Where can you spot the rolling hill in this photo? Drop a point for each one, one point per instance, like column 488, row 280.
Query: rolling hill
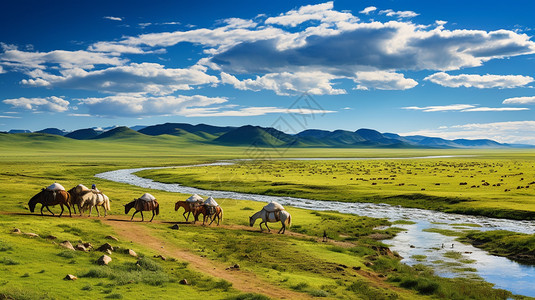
column 184, row 133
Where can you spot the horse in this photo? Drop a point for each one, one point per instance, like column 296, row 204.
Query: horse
column 189, row 207
column 211, row 212
column 283, row 216
column 85, row 198
column 50, row 198
column 140, row 206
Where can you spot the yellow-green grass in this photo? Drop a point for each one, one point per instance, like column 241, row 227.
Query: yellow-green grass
column 492, row 184
column 28, row 166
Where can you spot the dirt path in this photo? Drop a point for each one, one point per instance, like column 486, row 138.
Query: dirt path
column 244, row 281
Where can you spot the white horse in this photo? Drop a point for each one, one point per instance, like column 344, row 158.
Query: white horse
column 85, row 198
column 283, row 216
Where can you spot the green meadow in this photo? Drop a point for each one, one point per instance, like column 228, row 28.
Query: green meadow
column 488, row 183
column 353, row 264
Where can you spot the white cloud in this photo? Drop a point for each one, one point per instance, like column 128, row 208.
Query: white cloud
column 382, row 80
column 239, row 23
column 519, row 100
column 50, row 104
column 479, row 81
column 65, row 59
column 257, row 111
column 462, row 108
column 398, row 14
column 368, row 10
column 134, row 78
column 113, row 18
column 9, row 117
column 115, row 48
column 503, row 132
column 2, row 70
column 319, row 12
column 452, row 107
column 141, row 106
column 315, row 83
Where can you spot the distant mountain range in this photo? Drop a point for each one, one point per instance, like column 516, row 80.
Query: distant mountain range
column 271, row 137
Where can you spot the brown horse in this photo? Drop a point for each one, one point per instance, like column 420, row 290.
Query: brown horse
column 208, row 212
column 189, row 207
column 142, row 205
column 50, row 198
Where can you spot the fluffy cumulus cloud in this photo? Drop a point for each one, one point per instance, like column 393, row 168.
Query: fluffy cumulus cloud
column 368, row 10
column 189, row 106
column 320, row 12
column 133, row 78
column 64, row 59
column 505, row 132
column 382, row 80
column 479, row 81
column 398, row 14
column 315, row 83
column 48, row 104
column 520, row 100
column 462, row 108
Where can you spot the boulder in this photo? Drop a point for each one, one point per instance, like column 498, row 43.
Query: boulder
column 68, row 245
column 70, row 277
column 184, row 281
column 88, row 246
column 31, row 234
column 132, row 253
column 16, row 231
column 105, row 247
column 109, row 237
column 80, row 247
column 51, row 237
column 104, row 260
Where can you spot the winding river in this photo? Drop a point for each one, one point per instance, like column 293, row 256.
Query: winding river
column 416, row 244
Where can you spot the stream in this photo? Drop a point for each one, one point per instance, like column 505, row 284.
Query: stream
column 446, row 256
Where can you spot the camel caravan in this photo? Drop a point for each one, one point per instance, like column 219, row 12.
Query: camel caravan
column 85, row 199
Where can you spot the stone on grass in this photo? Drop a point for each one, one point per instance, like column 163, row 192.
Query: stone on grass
column 175, row 227
column 31, row 234
column 184, row 281
column 109, row 237
column 88, row 246
column 80, row 247
column 16, row 231
column 67, row 244
column 104, row 260
column 70, row 277
column 132, row 253
column 105, row 247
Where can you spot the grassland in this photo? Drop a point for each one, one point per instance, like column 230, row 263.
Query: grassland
column 352, row 265
column 486, row 184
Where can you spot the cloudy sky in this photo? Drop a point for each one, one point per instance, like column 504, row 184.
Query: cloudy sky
column 452, row 69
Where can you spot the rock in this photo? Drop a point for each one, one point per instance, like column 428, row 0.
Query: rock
column 184, row 281
column 51, row 237
column 68, row 245
column 31, row 234
column 104, row 260
column 109, row 237
column 236, row 266
column 132, row 253
column 88, row 246
column 108, row 252
column 175, row 227
column 16, row 231
column 105, row 247
column 368, row 264
column 70, row 277
column 160, row 256
column 80, row 247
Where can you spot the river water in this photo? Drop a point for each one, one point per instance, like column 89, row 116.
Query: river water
column 415, row 245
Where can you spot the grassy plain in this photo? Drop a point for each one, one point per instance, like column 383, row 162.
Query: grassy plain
column 351, row 265
column 490, row 183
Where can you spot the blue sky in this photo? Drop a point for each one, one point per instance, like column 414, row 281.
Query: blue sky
column 452, row 69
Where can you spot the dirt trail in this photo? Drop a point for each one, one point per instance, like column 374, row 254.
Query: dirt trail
column 241, row 280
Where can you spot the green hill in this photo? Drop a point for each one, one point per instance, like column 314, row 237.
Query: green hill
column 255, row 135
column 122, row 132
